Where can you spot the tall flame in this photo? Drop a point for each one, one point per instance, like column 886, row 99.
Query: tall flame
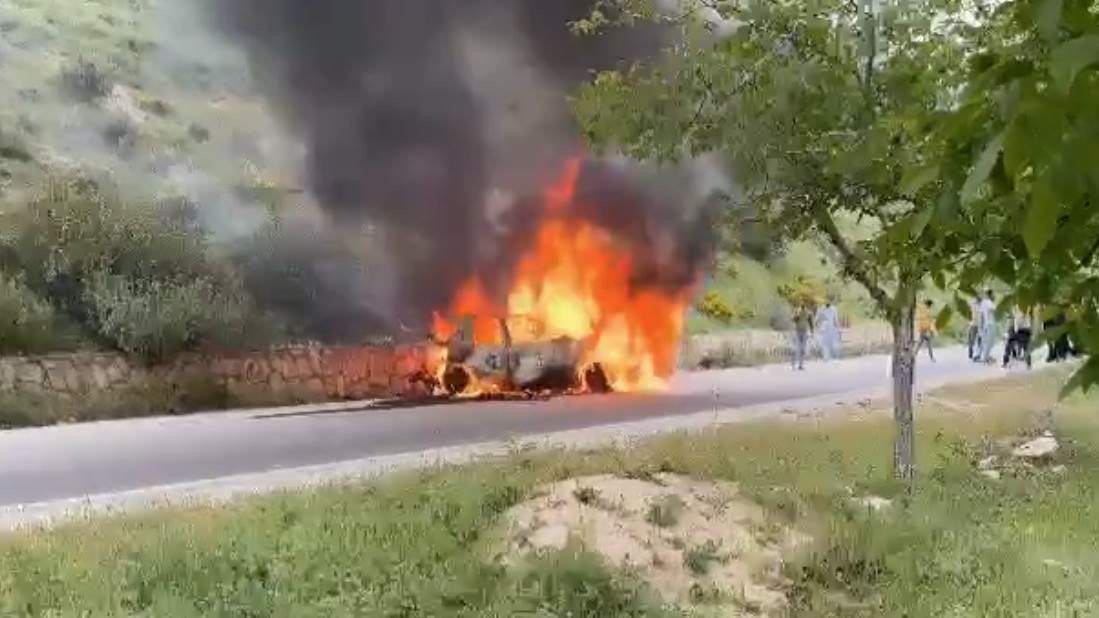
column 575, row 281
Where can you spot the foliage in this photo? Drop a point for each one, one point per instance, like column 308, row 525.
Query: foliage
column 809, row 133
column 1018, row 157
column 127, row 277
column 713, row 305
column 84, row 82
column 158, row 319
column 803, row 290
column 28, row 325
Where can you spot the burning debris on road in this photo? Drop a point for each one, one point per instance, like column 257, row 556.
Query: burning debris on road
column 464, row 368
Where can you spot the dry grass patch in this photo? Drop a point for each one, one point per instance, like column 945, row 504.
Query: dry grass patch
column 700, row 544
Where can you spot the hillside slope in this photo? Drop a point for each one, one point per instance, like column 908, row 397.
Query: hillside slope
column 141, row 91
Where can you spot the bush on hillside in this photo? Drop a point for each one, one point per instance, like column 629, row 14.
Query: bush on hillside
column 714, row 306
column 28, row 324
column 157, row 320
column 126, row 276
column 803, row 290
column 84, row 82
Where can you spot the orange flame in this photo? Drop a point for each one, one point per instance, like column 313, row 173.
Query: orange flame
column 575, row 281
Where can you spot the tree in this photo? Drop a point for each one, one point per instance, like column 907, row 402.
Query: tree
column 1019, row 154
column 824, row 112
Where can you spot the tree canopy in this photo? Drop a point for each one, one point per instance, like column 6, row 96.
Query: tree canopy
column 1018, row 154
column 818, row 119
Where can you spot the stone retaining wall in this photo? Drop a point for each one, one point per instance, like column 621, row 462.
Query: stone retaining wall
column 310, row 373
column 337, row 373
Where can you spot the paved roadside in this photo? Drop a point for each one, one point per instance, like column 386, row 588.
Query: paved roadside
column 127, row 464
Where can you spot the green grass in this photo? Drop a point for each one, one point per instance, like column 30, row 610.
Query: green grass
column 416, row 544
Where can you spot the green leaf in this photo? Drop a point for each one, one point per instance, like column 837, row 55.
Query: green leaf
column 1041, row 217
column 981, row 170
column 938, row 280
column 918, row 178
column 1008, row 101
column 1084, row 377
column 920, row 219
column 1016, row 150
column 1071, row 57
column 1049, row 19
column 945, row 315
column 961, row 306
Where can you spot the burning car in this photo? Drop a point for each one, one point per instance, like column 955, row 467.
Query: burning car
column 491, row 357
column 581, row 308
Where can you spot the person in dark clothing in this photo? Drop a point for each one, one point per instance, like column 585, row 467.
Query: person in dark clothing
column 1018, row 339
column 1060, row 347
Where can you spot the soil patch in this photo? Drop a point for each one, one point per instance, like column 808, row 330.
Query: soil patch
column 702, row 545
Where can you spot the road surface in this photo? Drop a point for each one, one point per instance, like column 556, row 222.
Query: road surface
column 73, row 461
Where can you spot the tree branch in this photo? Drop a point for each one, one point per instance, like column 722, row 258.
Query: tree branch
column 851, row 262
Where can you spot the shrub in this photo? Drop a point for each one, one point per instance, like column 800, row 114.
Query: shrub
column 28, row 324
column 713, row 306
column 156, row 319
column 13, row 147
column 802, row 290
column 84, row 82
column 130, row 278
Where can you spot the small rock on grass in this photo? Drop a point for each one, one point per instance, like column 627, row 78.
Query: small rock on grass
column 1039, row 448
column 990, row 473
column 874, row 503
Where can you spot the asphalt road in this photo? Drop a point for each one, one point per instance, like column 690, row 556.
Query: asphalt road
column 73, row 461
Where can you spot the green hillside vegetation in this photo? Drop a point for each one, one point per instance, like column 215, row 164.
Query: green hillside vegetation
column 139, row 181
column 756, row 286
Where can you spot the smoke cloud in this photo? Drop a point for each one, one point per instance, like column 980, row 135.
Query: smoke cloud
column 415, row 113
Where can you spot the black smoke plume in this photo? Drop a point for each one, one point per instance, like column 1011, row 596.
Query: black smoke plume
column 399, row 128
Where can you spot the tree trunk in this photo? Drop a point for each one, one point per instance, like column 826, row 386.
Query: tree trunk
column 903, row 374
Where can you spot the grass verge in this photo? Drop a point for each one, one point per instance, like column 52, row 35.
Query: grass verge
column 413, row 544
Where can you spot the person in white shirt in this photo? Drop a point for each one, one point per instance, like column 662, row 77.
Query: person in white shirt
column 828, row 331
column 986, row 322
column 973, row 340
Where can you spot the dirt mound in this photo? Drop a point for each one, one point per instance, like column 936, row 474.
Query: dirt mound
column 701, row 545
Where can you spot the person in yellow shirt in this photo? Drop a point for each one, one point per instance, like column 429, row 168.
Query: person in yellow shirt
column 925, row 329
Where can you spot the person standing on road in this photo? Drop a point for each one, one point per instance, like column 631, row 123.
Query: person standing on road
column 986, row 312
column 828, row 331
column 925, row 329
column 973, row 340
column 1018, row 344
column 803, row 329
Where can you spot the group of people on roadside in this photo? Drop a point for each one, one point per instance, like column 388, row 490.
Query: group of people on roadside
column 824, row 323
column 984, row 329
